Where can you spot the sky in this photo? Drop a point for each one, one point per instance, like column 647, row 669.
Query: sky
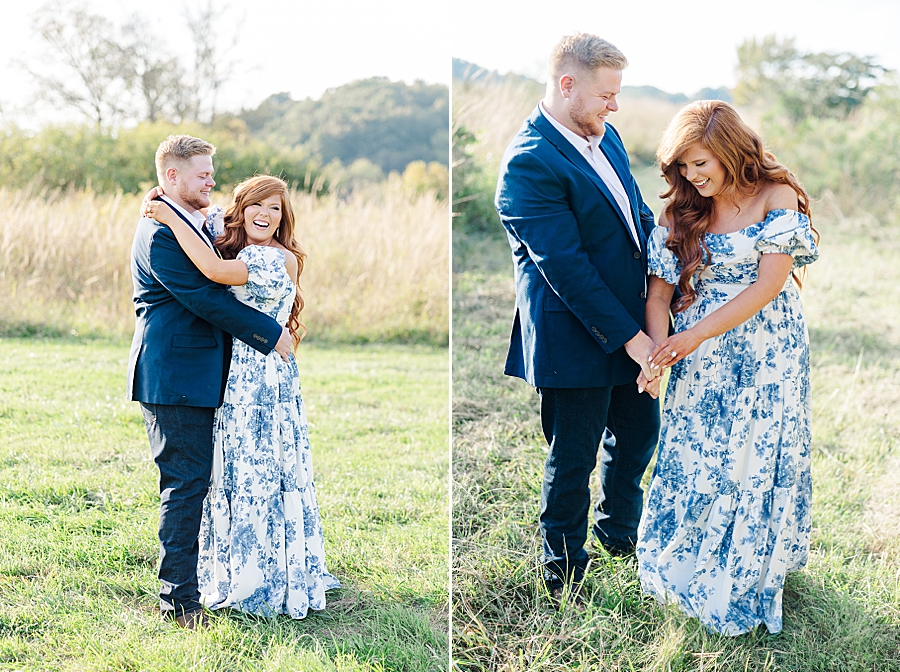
column 303, row 47
column 678, row 47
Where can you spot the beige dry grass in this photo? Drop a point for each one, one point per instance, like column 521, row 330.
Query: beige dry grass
column 378, row 266
column 494, row 114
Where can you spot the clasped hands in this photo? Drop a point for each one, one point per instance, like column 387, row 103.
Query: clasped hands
column 653, row 357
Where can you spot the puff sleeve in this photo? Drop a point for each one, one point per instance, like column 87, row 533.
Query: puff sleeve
column 788, row 232
column 660, row 260
column 215, row 221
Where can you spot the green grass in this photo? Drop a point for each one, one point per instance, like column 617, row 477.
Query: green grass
column 841, row 613
column 79, row 510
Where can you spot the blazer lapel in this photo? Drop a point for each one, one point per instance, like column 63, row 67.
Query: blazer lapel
column 623, row 173
column 546, row 129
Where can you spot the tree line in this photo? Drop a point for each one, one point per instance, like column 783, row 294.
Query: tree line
column 131, row 93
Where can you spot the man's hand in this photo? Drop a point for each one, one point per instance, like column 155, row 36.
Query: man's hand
column 285, row 344
column 639, row 349
column 651, row 387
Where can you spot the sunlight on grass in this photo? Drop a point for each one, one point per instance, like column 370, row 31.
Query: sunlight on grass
column 841, row 613
column 79, row 508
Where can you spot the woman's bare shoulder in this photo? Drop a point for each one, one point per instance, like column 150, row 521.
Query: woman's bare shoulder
column 779, row 196
column 665, row 218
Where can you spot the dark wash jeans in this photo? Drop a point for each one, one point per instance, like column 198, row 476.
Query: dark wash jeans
column 181, row 440
column 573, row 421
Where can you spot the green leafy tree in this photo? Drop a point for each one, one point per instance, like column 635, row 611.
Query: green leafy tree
column 803, row 84
column 388, row 123
column 473, row 188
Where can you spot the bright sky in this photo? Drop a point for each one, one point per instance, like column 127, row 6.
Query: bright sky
column 679, row 47
column 300, row 46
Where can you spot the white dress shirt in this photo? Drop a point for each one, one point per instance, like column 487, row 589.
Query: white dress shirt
column 590, row 149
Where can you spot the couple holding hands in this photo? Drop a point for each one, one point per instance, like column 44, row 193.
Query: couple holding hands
column 607, row 299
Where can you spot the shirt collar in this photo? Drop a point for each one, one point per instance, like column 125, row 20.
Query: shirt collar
column 593, row 141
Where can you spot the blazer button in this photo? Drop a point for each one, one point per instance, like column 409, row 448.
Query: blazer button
column 643, row 295
column 637, row 255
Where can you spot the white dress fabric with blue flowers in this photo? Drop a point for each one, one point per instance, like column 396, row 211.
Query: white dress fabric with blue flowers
column 728, row 509
column 261, row 548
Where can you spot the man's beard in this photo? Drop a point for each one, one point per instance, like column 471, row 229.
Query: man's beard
column 191, row 199
column 586, row 124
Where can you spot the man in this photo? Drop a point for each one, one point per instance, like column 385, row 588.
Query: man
column 178, row 364
column 578, row 229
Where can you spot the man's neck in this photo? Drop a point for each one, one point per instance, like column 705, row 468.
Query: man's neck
column 555, row 110
column 558, row 118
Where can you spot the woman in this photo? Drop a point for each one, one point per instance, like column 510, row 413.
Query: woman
column 261, row 548
column 728, row 509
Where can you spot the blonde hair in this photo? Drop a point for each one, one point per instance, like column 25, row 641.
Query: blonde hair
column 585, row 52
column 176, row 150
column 234, row 239
column 748, row 164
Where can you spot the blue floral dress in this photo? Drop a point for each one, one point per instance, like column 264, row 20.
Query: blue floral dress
column 728, row 509
column 261, row 548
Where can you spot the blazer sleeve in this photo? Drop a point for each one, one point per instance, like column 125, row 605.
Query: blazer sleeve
column 207, row 299
column 532, row 202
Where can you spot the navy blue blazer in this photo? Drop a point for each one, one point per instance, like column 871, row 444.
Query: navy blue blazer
column 580, row 277
column 183, row 324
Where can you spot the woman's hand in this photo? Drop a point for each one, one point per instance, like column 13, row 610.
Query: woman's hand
column 675, row 348
column 162, row 213
column 153, row 193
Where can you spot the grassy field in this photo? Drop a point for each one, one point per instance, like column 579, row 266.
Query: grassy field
column 378, row 265
column 79, row 509
column 842, row 613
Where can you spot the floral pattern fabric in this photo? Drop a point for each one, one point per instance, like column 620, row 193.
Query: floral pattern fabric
column 728, row 508
column 261, row 546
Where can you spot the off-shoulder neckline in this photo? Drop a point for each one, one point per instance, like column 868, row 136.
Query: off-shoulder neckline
column 769, row 217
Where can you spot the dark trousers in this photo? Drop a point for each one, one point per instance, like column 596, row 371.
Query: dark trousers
column 181, row 440
column 573, row 421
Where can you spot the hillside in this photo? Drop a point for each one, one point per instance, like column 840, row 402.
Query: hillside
column 387, row 123
column 464, row 71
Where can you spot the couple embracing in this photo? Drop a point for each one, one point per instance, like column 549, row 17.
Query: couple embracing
column 607, row 299
column 217, row 309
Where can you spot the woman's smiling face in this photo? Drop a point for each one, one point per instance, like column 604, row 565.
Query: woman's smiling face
column 261, row 220
column 700, row 167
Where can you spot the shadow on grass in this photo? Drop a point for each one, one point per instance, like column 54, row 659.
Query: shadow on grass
column 503, row 619
column 394, row 635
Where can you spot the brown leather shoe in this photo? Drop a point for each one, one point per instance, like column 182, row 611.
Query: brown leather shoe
column 571, row 596
column 193, row 620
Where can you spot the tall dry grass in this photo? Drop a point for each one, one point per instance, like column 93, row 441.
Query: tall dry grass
column 378, row 266
column 494, row 113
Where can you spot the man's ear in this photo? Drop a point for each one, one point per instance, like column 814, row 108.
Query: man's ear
column 566, row 84
column 171, row 174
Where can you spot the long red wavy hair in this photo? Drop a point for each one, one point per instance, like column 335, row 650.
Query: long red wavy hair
column 253, row 190
column 748, row 165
